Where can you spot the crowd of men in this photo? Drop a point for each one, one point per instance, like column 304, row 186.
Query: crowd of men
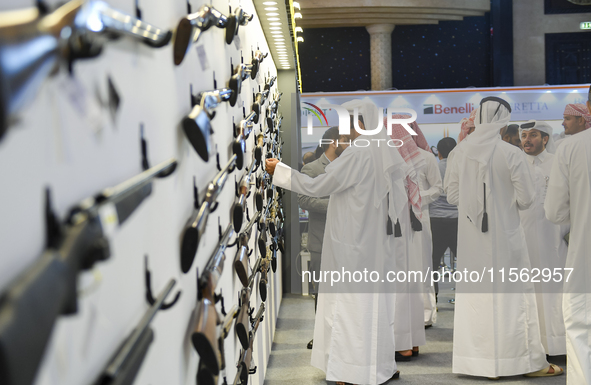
column 505, row 197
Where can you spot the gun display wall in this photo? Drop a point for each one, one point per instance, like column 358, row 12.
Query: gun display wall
column 140, row 234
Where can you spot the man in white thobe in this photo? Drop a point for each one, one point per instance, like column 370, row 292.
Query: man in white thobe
column 496, row 333
column 353, row 333
column 409, row 326
column 431, row 187
column 545, row 244
column 568, row 201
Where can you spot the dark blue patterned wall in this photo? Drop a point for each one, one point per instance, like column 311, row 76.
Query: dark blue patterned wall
column 335, row 59
column 452, row 54
column 448, row 55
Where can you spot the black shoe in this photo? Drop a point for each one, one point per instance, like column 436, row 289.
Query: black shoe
column 428, row 326
column 311, row 344
column 415, row 353
column 399, row 357
column 396, row 375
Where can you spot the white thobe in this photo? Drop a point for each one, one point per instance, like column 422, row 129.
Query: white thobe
column 547, row 250
column 431, row 187
column 353, row 331
column 409, row 325
column 495, row 333
column 569, row 201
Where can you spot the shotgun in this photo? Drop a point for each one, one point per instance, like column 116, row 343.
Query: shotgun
column 127, row 361
column 197, row 124
column 241, row 259
column 34, row 45
column 196, row 224
column 31, row 304
column 246, row 355
column 204, row 336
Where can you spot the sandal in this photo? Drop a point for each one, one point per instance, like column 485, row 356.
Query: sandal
column 544, row 372
column 401, row 357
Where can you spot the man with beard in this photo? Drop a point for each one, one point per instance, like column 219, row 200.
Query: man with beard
column 568, row 202
column 576, row 119
column 317, row 207
column 545, row 244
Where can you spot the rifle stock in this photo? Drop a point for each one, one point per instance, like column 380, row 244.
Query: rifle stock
column 246, row 361
column 241, row 259
column 196, row 224
column 242, row 320
column 204, row 334
column 204, row 375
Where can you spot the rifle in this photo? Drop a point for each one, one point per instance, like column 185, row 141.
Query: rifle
column 257, row 59
column 127, row 361
column 191, row 26
column 31, row 304
column 257, row 105
column 207, row 319
column 33, row 45
column 273, row 112
column 258, row 151
column 240, row 203
column 241, row 259
column 246, row 355
column 245, row 311
column 235, row 83
column 269, row 83
column 196, row 224
column 204, row 375
column 258, row 196
column 239, row 18
column 197, row 125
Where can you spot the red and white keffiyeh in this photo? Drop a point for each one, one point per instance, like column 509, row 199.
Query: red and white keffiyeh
column 420, row 139
column 579, row 109
column 411, row 155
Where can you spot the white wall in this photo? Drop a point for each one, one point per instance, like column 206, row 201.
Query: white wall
column 67, row 140
column 530, row 24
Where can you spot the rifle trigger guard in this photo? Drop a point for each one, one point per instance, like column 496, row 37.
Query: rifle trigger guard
column 214, row 207
column 252, row 371
column 149, row 295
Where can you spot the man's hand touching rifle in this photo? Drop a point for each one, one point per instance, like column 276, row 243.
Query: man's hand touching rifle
column 77, row 30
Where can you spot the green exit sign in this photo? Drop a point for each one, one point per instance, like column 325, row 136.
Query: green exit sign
column 586, row 25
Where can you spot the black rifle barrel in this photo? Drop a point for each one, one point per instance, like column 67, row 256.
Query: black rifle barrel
column 124, row 195
column 114, row 368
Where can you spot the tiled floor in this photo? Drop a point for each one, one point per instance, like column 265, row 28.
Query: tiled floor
column 290, row 360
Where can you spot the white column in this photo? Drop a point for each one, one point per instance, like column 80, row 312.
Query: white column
column 381, row 55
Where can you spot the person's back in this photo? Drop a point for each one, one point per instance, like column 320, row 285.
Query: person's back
column 569, row 201
column 490, row 181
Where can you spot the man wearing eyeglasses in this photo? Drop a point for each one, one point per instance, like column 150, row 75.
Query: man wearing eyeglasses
column 568, row 202
column 545, row 244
